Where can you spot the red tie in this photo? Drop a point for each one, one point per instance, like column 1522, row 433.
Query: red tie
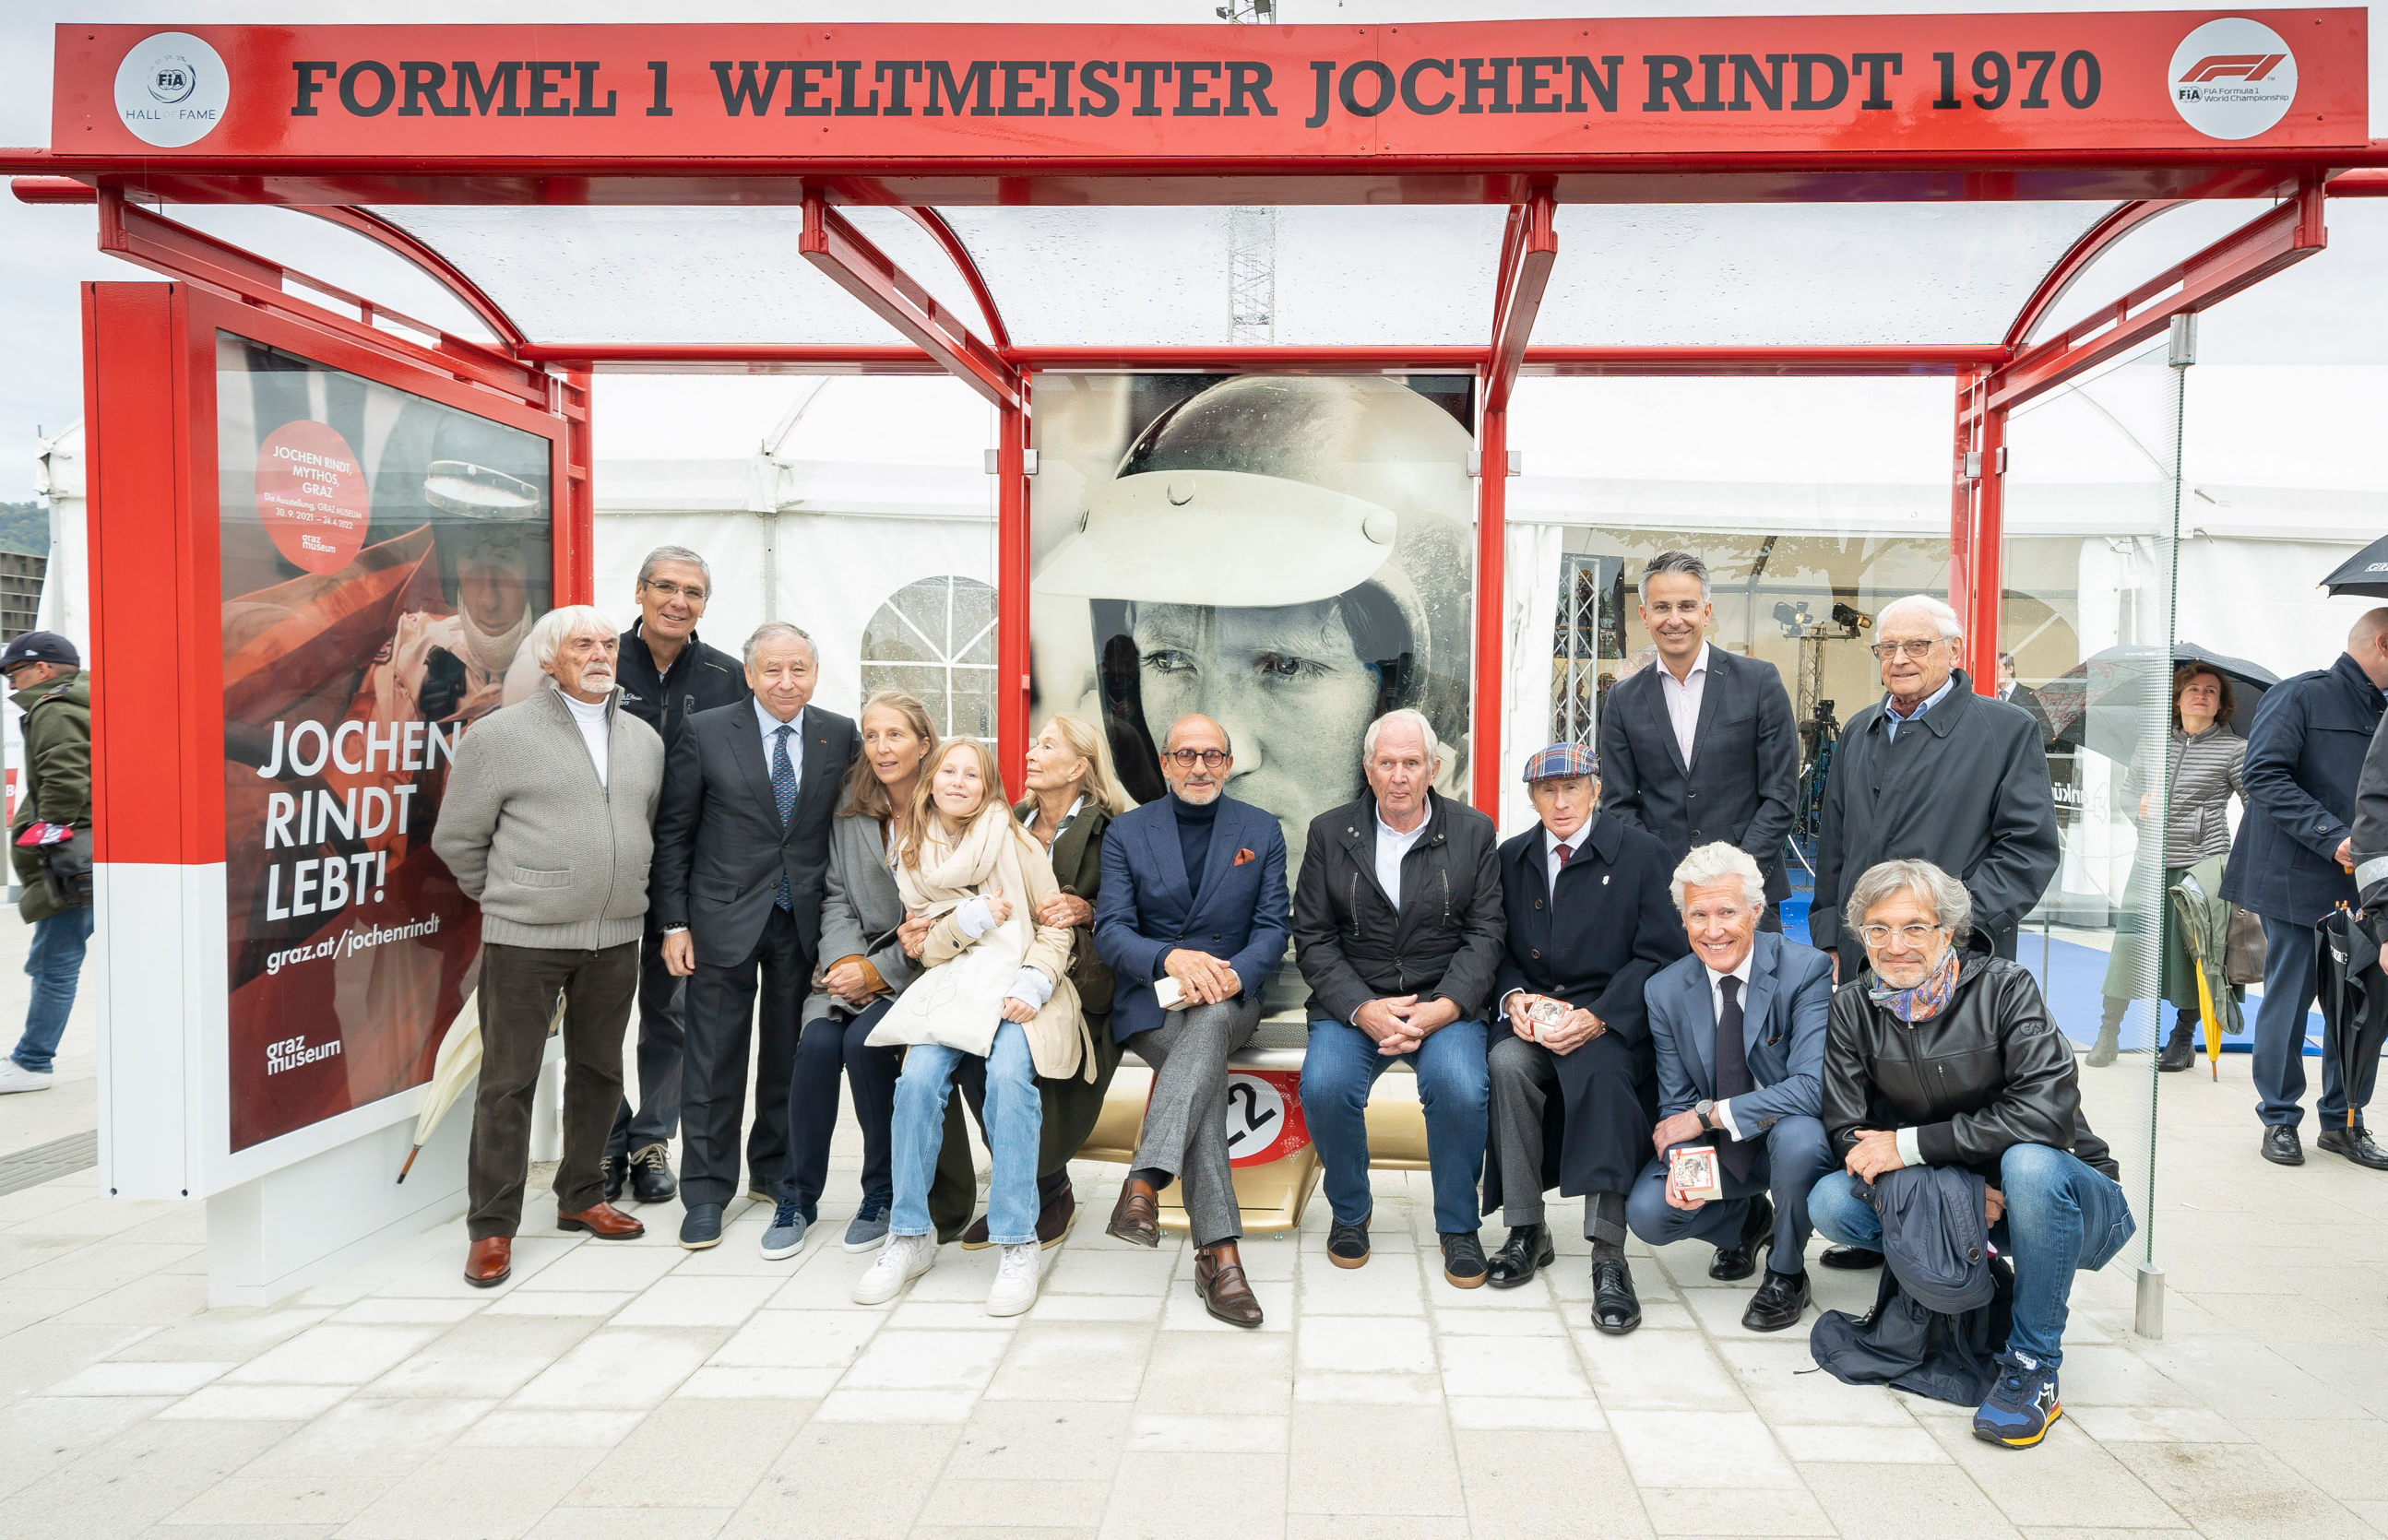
column 1565, row 851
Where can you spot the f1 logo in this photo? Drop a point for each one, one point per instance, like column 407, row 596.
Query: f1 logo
column 2250, row 67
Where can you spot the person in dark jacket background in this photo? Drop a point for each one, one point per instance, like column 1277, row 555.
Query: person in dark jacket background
column 2291, row 863
column 1940, row 1056
column 1589, row 922
column 1702, row 747
column 1934, row 772
column 666, row 675
column 1397, row 930
column 46, row 672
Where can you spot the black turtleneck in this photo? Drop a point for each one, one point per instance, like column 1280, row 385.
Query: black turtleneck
column 1194, row 826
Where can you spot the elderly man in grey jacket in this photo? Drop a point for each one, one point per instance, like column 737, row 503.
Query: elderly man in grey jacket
column 546, row 823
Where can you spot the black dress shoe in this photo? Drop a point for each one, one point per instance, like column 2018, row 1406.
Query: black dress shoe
column 1740, row 1259
column 1347, row 1245
column 1527, row 1250
column 701, row 1227
column 613, row 1169
column 651, row 1176
column 1850, row 1258
column 2356, row 1146
column 1462, row 1260
column 1615, row 1308
column 2179, row 1050
column 1779, row 1302
column 2281, row 1146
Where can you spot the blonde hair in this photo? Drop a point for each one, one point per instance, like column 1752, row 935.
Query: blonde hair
column 864, row 795
column 920, row 817
column 1103, row 785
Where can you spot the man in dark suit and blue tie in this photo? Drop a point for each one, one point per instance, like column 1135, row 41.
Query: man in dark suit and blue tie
column 1193, row 898
column 741, row 858
column 1739, row 1028
column 1700, row 747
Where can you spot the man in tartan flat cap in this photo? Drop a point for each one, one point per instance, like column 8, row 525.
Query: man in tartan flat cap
column 1590, row 921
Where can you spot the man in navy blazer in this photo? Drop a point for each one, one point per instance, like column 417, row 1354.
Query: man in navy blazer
column 1739, row 1028
column 1701, row 746
column 1193, row 896
column 2289, row 865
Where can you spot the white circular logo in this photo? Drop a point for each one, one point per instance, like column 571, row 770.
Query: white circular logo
column 1256, row 1116
column 2232, row 79
column 171, row 90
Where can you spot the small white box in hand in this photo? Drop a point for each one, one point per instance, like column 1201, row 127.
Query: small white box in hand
column 1693, row 1171
column 1545, row 1014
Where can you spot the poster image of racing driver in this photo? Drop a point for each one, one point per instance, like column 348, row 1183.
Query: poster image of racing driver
column 384, row 557
column 1286, row 554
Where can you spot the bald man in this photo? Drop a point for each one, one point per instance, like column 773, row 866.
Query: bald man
column 2292, row 864
column 1192, row 915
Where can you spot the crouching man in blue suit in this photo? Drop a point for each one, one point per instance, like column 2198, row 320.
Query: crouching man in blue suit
column 1739, row 1030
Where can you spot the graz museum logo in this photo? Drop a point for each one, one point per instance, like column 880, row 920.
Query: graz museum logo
column 2232, row 79
column 171, row 90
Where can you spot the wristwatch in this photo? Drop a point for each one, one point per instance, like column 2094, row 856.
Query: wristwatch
column 1705, row 1112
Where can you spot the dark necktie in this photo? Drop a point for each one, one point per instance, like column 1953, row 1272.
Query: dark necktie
column 1565, row 851
column 1732, row 1075
column 783, row 791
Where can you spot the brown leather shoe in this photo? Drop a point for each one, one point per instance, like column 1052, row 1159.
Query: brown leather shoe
column 605, row 1221
column 490, row 1262
column 1137, row 1217
column 1225, row 1292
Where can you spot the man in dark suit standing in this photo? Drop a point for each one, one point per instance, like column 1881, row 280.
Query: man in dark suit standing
column 1739, row 1028
column 1701, row 747
column 1589, row 922
column 1193, row 898
column 2024, row 697
column 741, row 858
column 2293, row 863
column 667, row 676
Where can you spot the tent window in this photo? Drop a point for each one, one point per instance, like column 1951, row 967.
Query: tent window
column 935, row 638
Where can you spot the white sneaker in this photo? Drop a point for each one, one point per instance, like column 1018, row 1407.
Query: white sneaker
column 1015, row 1279
column 16, row 1077
column 904, row 1259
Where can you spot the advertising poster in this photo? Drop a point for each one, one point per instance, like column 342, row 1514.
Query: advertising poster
column 1291, row 555
column 384, row 557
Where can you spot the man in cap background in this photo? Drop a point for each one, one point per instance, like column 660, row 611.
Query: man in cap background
column 1590, row 921
column 45, row 673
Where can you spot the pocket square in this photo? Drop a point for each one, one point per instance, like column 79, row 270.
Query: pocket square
column 1244, row 855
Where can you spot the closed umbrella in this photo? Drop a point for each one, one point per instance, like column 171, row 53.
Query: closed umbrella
column 2364, row 574
column 459, row 1061
column 2205, row 925
column 2354, row 1003
column 2108, row 701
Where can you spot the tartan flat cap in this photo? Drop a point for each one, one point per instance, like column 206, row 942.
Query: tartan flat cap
column 1562, row 759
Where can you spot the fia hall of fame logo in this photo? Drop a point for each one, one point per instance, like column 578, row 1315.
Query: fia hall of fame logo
column 171, row 90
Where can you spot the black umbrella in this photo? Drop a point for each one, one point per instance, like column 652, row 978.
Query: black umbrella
column 2354, row 1003
column 2107, row 701
column 2364, row 573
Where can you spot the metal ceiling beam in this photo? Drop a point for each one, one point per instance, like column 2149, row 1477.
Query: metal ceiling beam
column 1528, row 245
column 2118, row 222
column 832, row 244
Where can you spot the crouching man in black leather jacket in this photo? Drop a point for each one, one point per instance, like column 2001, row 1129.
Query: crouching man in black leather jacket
column 1939, row 1056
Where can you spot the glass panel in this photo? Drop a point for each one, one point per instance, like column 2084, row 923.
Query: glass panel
column 2146, row 250
column 1816, row 275
column 2092, row 497
column 326, row 252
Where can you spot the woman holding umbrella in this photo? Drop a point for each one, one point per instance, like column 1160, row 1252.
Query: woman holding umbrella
column 2197, row 776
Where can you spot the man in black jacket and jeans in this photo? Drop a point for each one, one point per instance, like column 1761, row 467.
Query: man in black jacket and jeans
column 1397, row 927
column 1940, row 1056
column 666, row 675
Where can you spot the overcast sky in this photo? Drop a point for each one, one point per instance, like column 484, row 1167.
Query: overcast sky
column 2303, row 316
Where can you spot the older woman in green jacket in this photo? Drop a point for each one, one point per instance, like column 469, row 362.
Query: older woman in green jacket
column 1072, row 796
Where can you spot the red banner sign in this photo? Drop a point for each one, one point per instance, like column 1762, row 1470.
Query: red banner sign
column 1533, row 90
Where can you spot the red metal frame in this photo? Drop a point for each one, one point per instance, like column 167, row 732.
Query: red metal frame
column 832, row 244
column 1013, row 542
column 2093, row 244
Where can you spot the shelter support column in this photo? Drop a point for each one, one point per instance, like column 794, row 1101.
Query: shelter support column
column 1977, row 528
column 576, row 543
column 1012, row 542
column 1492, row 606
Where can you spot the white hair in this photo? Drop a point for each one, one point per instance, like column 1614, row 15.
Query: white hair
column 561, row 625
column 1946, row 898
column 1414, row 718
column 1715, row 863
column 1941, row 613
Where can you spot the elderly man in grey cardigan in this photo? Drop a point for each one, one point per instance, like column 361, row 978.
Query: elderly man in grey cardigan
column 547, row 824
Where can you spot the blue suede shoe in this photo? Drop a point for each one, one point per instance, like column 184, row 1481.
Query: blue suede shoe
column 868, row 1229
column 2022, row 1404
column 785, row 1235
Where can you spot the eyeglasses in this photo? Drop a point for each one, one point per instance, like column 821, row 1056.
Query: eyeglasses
column 1878, row 936
column 673, row 590
column 1886, row 650
column 1208, row 759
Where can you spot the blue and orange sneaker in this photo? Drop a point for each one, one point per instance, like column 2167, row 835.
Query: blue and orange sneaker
column 2022, row 1404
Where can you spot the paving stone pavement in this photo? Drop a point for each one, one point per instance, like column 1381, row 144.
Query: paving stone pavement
column 637, row 1390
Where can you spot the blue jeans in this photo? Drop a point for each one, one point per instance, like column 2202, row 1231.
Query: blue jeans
column 2280, row 1057
column 1454, row 1089
column 54, row 965
column 2061, row 1217
column 1015, row 1120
